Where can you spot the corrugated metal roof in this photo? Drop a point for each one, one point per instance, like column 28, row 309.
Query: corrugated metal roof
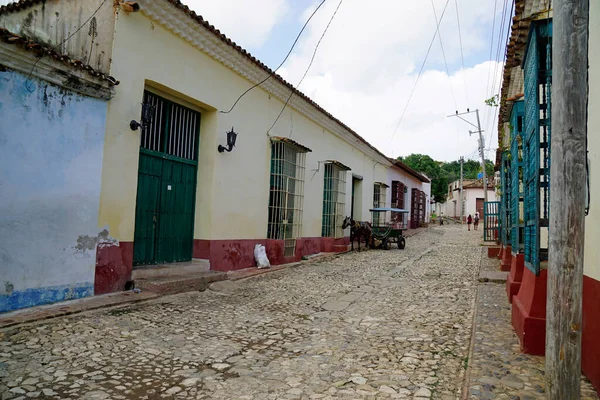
column 338, row 164
column 291, row 143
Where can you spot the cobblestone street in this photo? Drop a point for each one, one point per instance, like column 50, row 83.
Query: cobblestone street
column 373, row 324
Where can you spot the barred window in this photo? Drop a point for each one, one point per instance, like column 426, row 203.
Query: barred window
column 379, row 200
column 173, row 130
column 334, row 198
column 286, row 197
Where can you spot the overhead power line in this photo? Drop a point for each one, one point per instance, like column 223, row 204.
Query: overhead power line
column 279, row 66
column 309, row 65
column 462, row 57
column 420, row 71
column 437, row 23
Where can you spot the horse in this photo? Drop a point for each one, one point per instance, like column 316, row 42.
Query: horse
column 358, row 229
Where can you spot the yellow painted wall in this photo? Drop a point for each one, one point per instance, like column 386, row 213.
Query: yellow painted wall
column 233, row 188
column 592, row 221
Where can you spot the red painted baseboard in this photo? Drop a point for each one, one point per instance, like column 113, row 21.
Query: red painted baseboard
column 529, row 312
column 113, row 267
column 493, row 251
column 513, row 283
column 506, row 258
column 233, row 255
column 590, row 351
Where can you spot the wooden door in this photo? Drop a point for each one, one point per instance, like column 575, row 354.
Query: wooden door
column 166, row 193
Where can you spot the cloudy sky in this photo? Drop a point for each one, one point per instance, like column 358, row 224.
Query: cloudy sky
column 367, row 64
column 369, row 60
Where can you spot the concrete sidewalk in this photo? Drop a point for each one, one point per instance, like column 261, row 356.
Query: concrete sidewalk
column 497, row 369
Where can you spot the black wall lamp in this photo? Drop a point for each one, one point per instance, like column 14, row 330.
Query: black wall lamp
column 231, row 136
column 147, row 114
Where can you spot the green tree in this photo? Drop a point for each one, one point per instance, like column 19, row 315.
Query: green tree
column 443, row 173
column 427, row 165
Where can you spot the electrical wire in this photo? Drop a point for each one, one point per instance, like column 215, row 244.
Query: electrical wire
column 420, row 72
column 487, row 87
column 279, row 66
column 497, row 59
column 508, row 28
column 309, row 65
column 66, row 39
column 444, row 54
column 462, row 57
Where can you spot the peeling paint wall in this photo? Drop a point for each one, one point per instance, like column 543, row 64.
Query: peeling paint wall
column 88, row 25
column 51, row 146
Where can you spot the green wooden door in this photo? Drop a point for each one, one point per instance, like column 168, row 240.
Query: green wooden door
column 166, row 193
column 147, row 208
column 175, row 233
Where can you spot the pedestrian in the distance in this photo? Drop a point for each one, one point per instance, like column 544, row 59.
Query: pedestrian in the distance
column 476, row 221
column 469, row 221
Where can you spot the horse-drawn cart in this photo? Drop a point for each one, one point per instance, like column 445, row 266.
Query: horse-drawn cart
column 387, row 225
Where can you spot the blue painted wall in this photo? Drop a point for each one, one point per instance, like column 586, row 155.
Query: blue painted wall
column 51, row 145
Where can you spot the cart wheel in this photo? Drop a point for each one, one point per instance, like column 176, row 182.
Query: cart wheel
column 401, row 243
column 385, row 244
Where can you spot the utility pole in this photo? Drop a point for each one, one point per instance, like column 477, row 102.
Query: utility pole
column 567, row 199
column 481, row 146
column 462, row 160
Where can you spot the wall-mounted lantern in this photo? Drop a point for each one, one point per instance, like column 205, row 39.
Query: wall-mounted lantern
column 147, row 114
column 231, row 136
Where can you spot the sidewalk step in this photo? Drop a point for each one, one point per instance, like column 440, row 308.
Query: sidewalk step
column 171, row 284
column 194, row 267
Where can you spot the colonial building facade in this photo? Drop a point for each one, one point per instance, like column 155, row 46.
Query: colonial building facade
column 182, row 176
column 524, row 157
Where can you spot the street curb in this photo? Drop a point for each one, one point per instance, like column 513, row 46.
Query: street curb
column 11, row 321
column 63, row 309
column 467, row 379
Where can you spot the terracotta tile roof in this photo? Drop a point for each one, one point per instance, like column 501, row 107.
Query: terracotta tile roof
column 18, row 5
column 418, row 175
column 198, row 18
column 514, row 55
column 525, row 12
column 46, row 51
column 21, row 4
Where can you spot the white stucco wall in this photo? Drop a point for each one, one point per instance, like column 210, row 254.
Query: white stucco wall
column 51, row 144
column 471, row 196
column 592, row 221
column 233, row 188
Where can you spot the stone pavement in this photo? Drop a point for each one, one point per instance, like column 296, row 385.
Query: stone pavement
column 363, row 325
column 374, row 324
column 497, row 368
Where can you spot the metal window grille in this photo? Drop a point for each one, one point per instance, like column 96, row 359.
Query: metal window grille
column 379, row 200
column 334, row 198
column 536, row 171
column 506, row 199
column 173, row 129
column 286, row 197
column 397, row 201
column 517, row 213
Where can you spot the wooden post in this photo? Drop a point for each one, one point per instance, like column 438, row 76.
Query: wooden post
column 567, row 199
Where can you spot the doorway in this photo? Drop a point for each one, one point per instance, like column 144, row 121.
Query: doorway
column 166, row 192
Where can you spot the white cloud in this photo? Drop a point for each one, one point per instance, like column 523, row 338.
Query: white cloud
column 247, row 22
column 367, row 64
